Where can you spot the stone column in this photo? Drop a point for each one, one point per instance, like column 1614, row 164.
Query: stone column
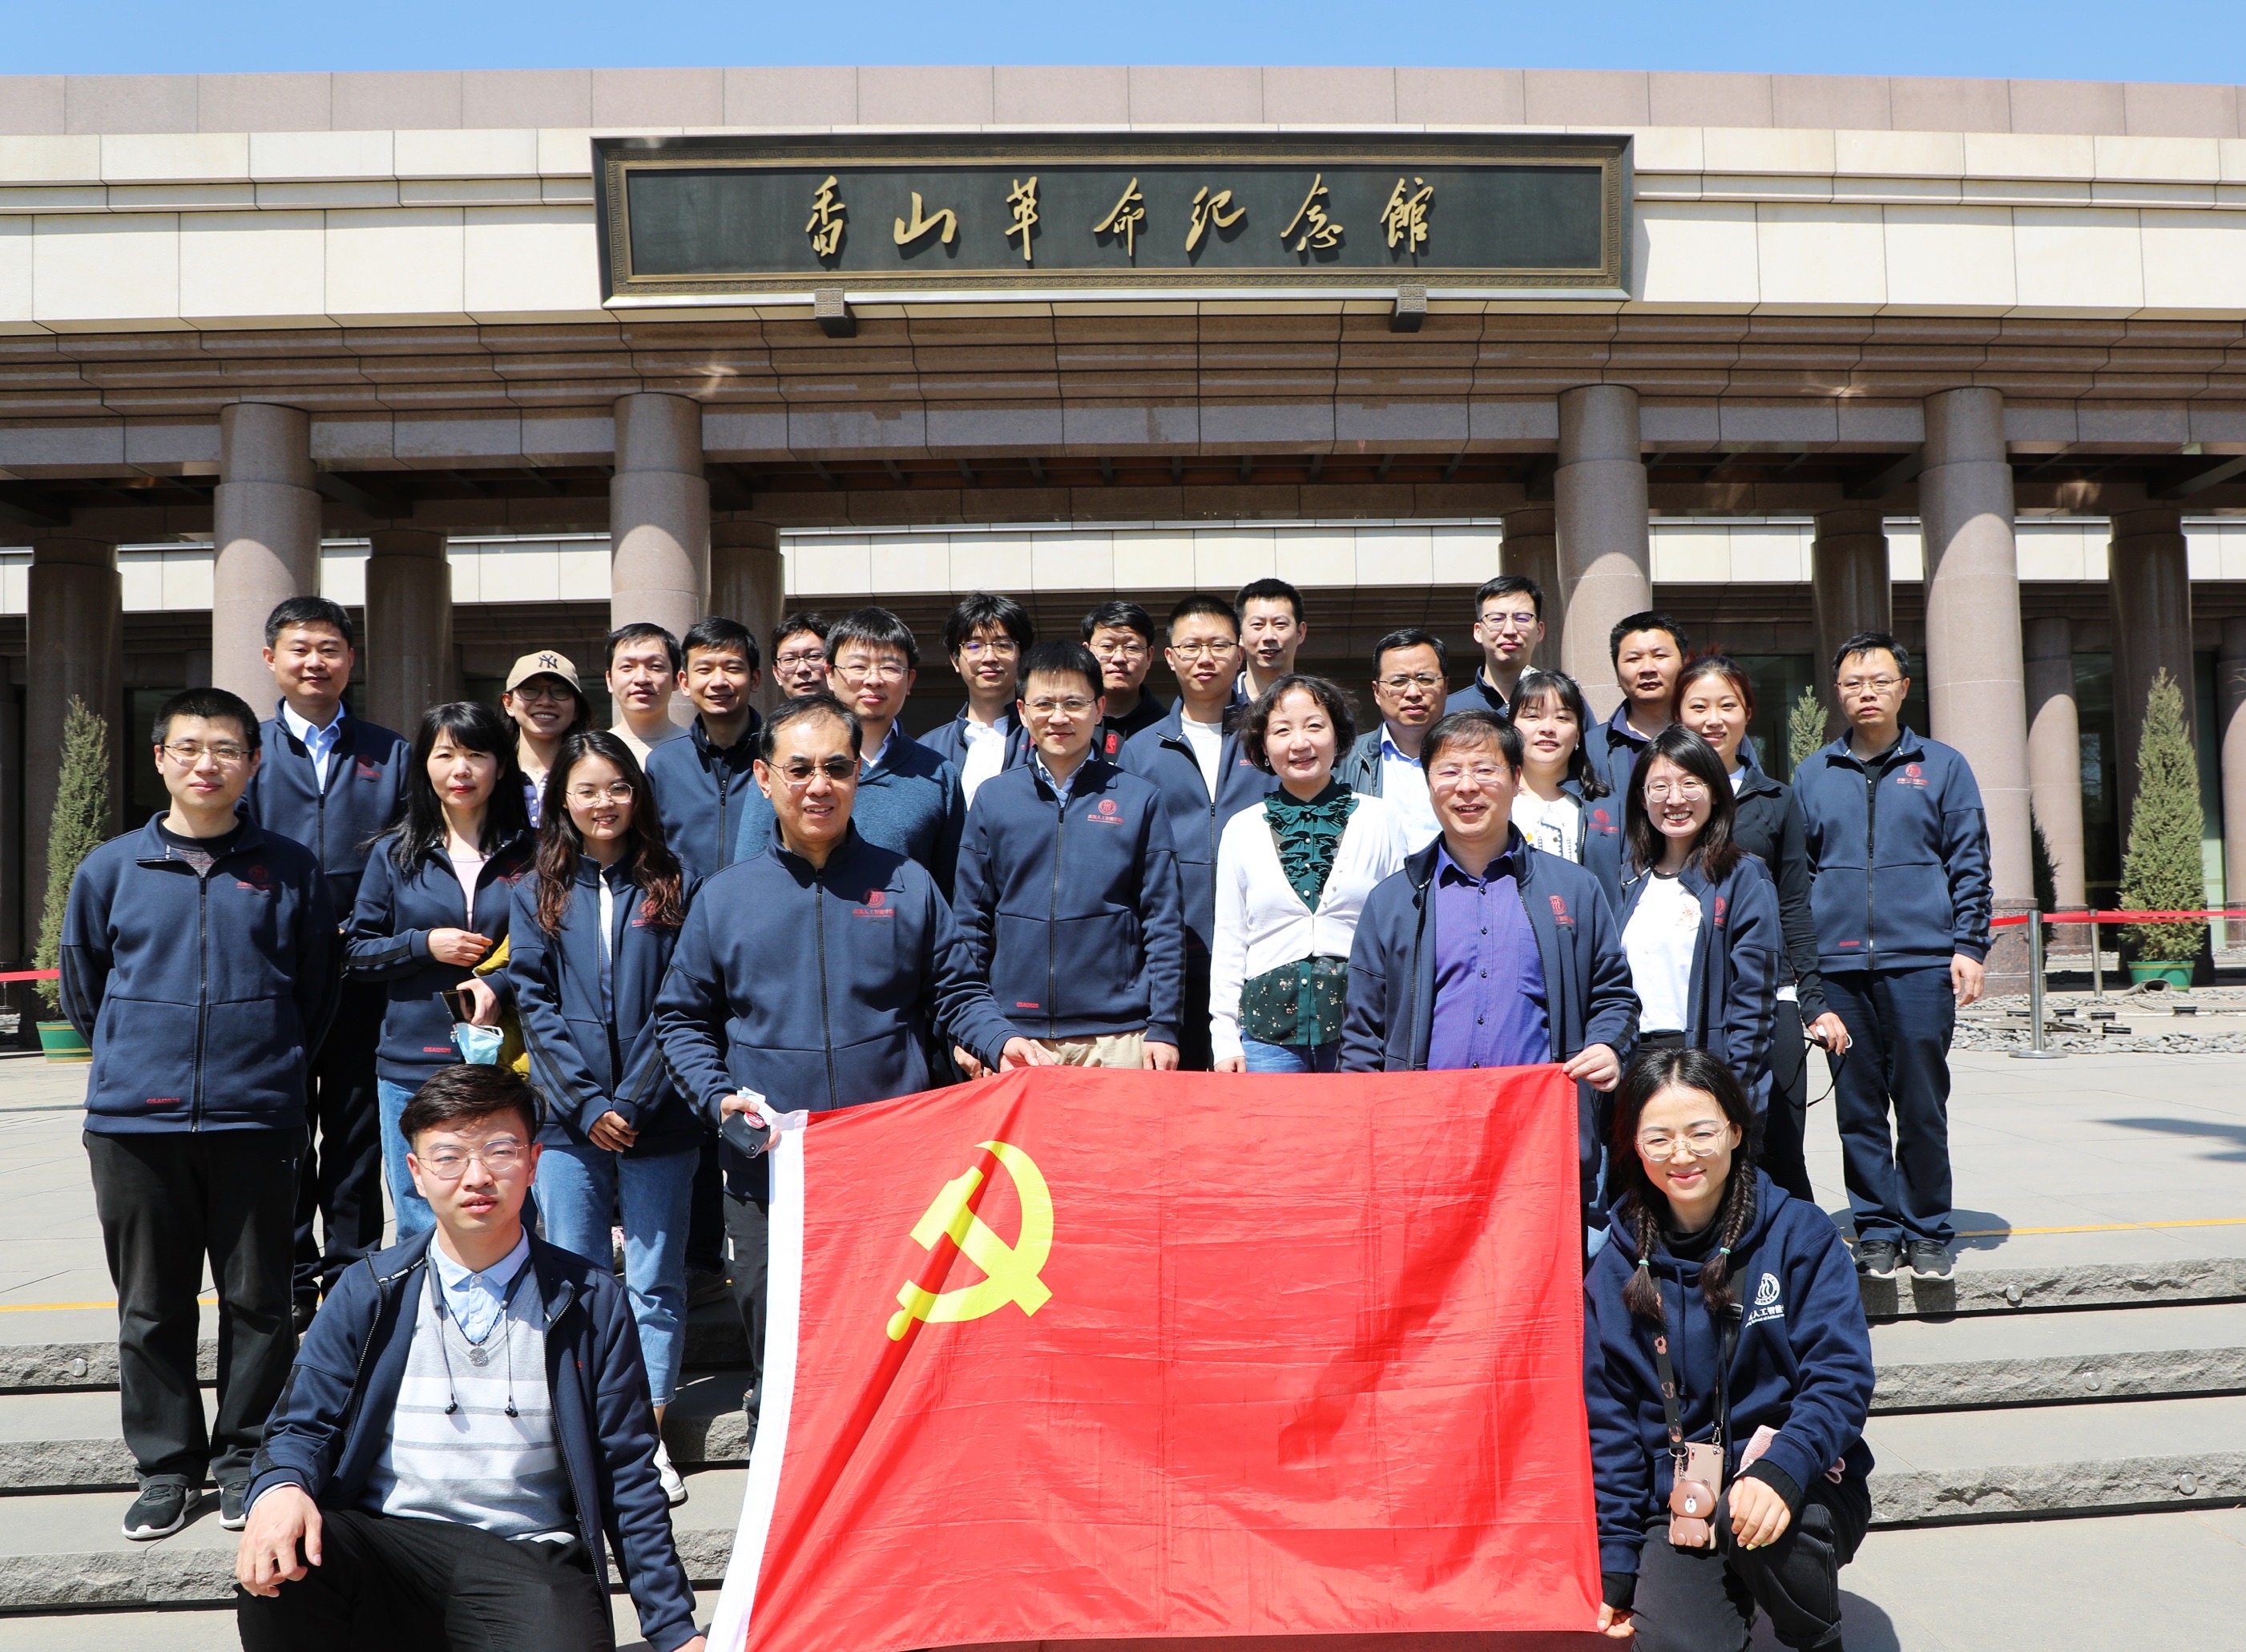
column 1975, row 666
column 407, row 657
column 2055, row 757
column 1600, row 531
column 1530, row 547
column 659, row 520
column 2148, row 590
column 2230, row 712
column 748, row 584
column 266, row 521
column 1848, row 581
column 75, row 630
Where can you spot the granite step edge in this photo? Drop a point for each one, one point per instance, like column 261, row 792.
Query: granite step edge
column 2059, row 1379
column 2026, row 1491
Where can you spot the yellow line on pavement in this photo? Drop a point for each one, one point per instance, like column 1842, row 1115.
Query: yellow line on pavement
column 2102, row 1228
column 49, row 1308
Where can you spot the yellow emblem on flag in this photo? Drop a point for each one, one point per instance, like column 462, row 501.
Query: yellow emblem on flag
column 1011, row 1270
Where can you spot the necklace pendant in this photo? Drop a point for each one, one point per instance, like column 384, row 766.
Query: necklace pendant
column 479, row 1356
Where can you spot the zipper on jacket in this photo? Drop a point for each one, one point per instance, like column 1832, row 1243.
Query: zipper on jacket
column 202, row 989
column 1871, row 818
column 1053, row 920
column 825, row 1027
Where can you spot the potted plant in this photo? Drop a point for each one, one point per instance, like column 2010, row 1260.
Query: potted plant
column 2161, row 871
column 81, row 819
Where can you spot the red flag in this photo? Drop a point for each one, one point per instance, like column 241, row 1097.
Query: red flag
column 1084, row 1355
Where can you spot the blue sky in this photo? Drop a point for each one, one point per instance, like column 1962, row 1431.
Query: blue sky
column 2060, row 39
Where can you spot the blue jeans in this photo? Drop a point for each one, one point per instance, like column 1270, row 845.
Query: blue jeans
column 412, row 1211
column 1262, row 1057
column 578, row 1186
column 1899, row 1023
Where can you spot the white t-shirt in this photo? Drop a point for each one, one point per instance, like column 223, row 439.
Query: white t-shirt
column 1738, row 778
column 984, row 757
column 1208, row 742
column 1403, row 785
column 608, row 946
column 663, row 736
column 1553, row 828
column 1660, row 940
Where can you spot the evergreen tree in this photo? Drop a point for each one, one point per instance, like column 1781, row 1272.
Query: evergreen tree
column 1805, row 729
column 2161, row 871
column 81, row 819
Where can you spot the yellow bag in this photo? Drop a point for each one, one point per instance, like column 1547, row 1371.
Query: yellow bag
column 512, row 1053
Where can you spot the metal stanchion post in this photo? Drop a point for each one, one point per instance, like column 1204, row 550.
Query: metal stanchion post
column 2035, row 1052
column 2097, row 969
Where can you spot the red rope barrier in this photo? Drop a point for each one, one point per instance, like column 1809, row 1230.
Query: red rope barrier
column 31, row 975
column 2115, row 917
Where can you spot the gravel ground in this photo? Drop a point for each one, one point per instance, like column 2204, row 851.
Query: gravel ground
column 2155, row 1026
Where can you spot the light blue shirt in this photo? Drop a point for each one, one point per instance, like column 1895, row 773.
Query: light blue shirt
column 476, row 1301
column 321, row 743
column 1403, row 785
column 1063, row 791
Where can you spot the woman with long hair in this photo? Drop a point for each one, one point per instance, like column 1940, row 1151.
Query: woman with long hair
column 433, row 904
column 1698, row 915
column 1563, row 806
column 1292, row 872
column 1728, row 1373
column 1716, row 700
column 588, row 947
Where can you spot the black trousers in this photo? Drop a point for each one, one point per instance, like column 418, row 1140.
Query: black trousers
column 748, row 1253
column 1706, row 1599
column 1195, row 1053
column 166, row 1200
column 705, row 1215
column 341, row 1178
column 1785, row 1126
column 384, row 1583
column 1900, row 1022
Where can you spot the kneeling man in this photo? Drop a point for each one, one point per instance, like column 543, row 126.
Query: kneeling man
column 466, row 1428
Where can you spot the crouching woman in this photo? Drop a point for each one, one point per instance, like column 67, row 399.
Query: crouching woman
column 1727, row 1375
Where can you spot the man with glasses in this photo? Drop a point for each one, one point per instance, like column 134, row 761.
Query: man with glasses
column 334, row 783
column 1407, row 686
column 1195, row 758
column 198, row 960
column 1121, row 637
column 799, row 648
column 908, row 796
column 1508, row 623
column 1482, row 952
column 1092, row 961
column 701, row 783
column 466, row 1428
column 1900, row 894
column 984, row 638
column 643, row 673
column 818, row 972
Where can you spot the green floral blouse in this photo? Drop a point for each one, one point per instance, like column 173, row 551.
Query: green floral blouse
column 1301, row 1002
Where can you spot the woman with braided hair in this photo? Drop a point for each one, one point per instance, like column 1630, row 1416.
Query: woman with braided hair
column 1727, row 1373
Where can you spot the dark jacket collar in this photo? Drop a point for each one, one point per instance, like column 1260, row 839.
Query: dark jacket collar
column 1420, row 866
column 740, row 751
column 153, row 850
column 1905, row 749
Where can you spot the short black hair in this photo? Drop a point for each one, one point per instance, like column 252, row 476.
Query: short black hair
column 810, row 705
column 310, row 610
column 802, row 620
column 1412, row 636
column 1270, row 591
column 1126, row 616
column 1649, row 620
column 1332, row 699
column 718, row 632
column 213, row 705
column 971, row 612
column 1510, row 585
column 1203, row 606
column 1477, row 727
column 875, row 628
column 1871, row 642
column 633, row 633
column 466, row 1095
column 1060, row 656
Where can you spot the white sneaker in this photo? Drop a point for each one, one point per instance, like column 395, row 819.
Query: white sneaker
column 674, row 1488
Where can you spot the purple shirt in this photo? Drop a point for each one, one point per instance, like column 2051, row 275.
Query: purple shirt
column 1489, row 1005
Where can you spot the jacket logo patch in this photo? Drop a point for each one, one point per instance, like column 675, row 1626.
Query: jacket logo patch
column 1024, row 1004
column 1602, row 819
column 1766, row 1305
column 1722, row 906
column 257, row 880
column 875, row 897
column 1912, row 774
column 1108, row 813
column 163, row 1101
column 1560, row 911
column 367, row 771
column 876, row 906
column 1112, row 743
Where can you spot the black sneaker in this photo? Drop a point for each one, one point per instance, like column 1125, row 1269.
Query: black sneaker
column 161, row 1510
column 233, row 1512
column 1929, row 1259
column 1875, row 1258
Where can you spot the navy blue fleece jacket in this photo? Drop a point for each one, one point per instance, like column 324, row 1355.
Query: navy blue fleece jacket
column 1162, row 754
column 701, row 788
column 362, row 798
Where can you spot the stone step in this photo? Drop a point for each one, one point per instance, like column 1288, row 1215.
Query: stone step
column 1977, row 1289
column 2055, row 1358
column 2057, row 1459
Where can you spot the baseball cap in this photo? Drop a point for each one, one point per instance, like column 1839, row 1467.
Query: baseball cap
column 544, row 662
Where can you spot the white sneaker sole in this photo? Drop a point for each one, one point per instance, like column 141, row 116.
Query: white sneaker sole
column 151, row 1533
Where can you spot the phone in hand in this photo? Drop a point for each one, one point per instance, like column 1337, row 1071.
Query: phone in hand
column 745, row 1133
column 459, row 1003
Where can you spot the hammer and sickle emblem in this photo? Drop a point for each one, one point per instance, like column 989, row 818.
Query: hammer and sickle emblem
column 1011, row 1270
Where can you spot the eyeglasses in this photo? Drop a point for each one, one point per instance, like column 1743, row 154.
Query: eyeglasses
column 1519, row 622
column 1129, row 648
column 998, row 647
column 1877, row 684
column 808, row 658
column 1701, row 1140
column 191, row 752
column 1075, row 705
column 1402, row 684
column 877, row 671
column 1214, row 650
column 1484, row 774
column 502, row 1157
column 1682, row 791
column 802, row 771
column 541, row 692
column 614, row 791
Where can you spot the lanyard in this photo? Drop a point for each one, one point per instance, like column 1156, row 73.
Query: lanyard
column 1726, row 1342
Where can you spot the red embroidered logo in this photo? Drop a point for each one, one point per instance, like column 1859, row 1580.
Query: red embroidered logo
column 257, row 880
column 1721, row 907
column 875, row 897
column 1560, row 912
column 1107, row 806
column 367, row 771
column 1601, row 820
column 1913, row 770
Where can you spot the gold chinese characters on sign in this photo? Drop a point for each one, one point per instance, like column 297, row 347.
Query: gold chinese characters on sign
column 826, row 226
column 1210, row 209
column 1124, row 217
column 906, row 234
column 1404, row 217
column 1023, row 199
column 1319, row 230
